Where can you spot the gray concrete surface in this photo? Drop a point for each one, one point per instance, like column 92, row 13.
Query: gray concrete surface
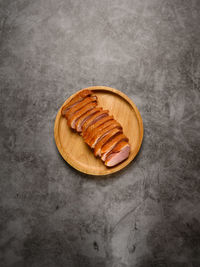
column 148, row 215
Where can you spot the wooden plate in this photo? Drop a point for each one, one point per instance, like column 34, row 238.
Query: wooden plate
column 78, row 154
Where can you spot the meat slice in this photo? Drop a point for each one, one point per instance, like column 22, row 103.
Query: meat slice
column 118, row 154
column 109, row 136
column 71, row 122
column 94, row 118
column 75, row 100
column 95, row 125
column 96, row 130
column 111, row 144
column 81, row 104
column 79, row 123
column 101, row 133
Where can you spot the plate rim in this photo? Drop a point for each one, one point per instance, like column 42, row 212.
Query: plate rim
column 109, row 170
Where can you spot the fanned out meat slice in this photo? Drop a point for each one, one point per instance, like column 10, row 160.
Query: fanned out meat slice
column 79, row 123
column 92, row 142
column 98, row 129
column 118, row 154
column 114, row 132
column 91, row 128
column 94, row 118
column 75, row 100
column 111, row 144
column 71, row 122
column 81, row 104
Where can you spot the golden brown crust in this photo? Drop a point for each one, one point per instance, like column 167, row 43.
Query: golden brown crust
column 92, row 111
column 81, row 104
column 105, row 139
column 103, row 131
column 91, row 128
column 81, row 112
column 112, row 141
column 117, row 148
column 99, row 128
column 79, row 97
column 116, row 151
column 90, row 120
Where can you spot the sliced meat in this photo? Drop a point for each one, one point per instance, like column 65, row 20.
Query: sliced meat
column 118, row 154
column 111, row 144
column 71, row 122
column 75, row 100
column 96, row 130
column 99, row 130
column 109, row 136
column 81, row 104
column 92, row 142
column 94, row 118
column 79, row 123
column 95, row 125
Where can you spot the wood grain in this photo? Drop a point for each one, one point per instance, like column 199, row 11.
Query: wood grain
column 78, row 154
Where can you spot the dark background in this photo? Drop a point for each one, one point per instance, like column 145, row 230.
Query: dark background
column 147, row 215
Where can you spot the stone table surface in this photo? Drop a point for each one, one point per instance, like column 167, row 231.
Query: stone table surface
column 147, row 215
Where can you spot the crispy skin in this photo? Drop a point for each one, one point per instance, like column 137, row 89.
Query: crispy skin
column 75, row 100
column 98, row 129
column 78, row 114
column 81, row 104
column 91, row 128
column 111, row 144
column 99, row 145
column 101, row 133
column 94, row 118
column 118, row 154
column 84, row 117
column 118, row 147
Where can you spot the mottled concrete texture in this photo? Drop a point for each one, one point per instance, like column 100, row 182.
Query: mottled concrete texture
column 148, row 215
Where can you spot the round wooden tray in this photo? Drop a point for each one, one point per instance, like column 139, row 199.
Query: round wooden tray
column 78, row 154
